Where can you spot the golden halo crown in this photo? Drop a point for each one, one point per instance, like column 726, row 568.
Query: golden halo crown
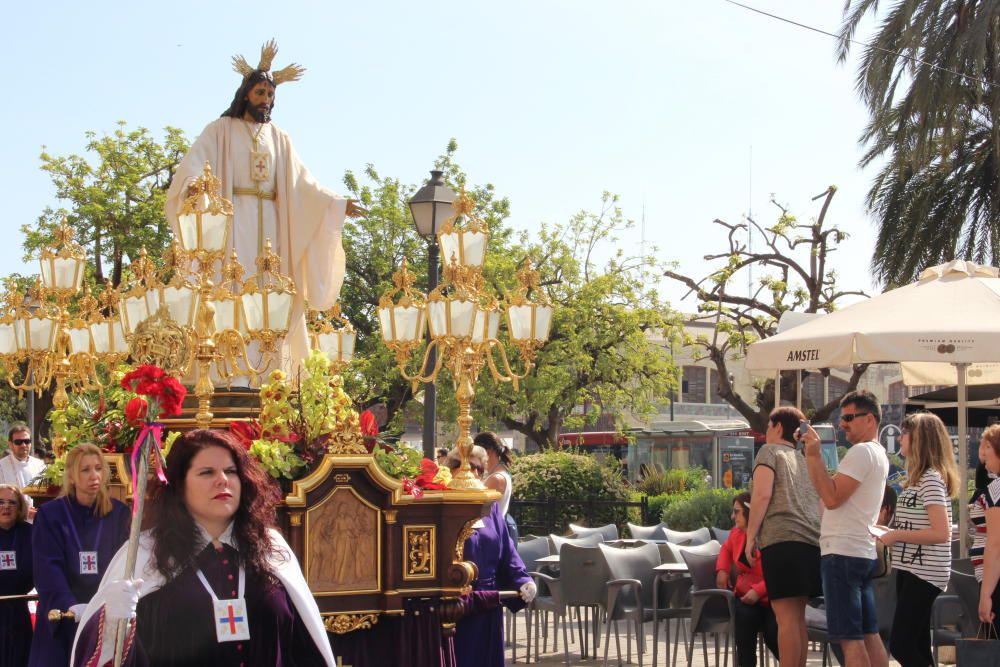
column 268, row 51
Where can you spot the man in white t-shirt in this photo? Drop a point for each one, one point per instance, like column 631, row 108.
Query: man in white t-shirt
column 851, row 499
column 19, row 467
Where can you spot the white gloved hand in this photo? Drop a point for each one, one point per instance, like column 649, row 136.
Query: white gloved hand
column 121, row 597
column 528, row 591
column 77, row 611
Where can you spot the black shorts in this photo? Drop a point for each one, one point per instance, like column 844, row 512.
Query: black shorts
column 791, row 570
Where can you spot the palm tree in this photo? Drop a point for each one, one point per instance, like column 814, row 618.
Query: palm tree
column 928, row 78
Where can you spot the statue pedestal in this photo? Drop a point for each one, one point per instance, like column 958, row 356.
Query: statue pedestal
column 386, row 569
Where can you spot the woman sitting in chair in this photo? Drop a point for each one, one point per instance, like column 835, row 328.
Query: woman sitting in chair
column 753, row 611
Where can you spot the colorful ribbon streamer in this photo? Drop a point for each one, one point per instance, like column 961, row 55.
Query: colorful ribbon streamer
column 152, row 431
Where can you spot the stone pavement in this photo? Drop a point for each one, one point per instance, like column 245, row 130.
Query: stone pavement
column 550, row 657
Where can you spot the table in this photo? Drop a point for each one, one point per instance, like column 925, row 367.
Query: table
column 671, row 567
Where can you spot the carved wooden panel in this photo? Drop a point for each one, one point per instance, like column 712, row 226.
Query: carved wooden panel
column 342, row 548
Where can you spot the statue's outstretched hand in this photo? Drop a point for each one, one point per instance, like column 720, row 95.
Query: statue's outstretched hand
column 355, row 210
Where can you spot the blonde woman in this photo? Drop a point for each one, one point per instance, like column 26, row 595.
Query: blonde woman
column 73, row 540
column 921, row 535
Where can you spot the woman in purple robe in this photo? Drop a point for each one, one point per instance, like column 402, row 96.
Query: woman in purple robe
column 479, row 634
column 215, row 583
column 73, row 540
column 15, row 577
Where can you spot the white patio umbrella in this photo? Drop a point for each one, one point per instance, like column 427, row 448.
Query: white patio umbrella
column 950, row 316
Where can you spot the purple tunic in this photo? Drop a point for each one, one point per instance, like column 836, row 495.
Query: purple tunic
column 175, row 626
column 62, row 529
column 479, row 635
column 15, row 621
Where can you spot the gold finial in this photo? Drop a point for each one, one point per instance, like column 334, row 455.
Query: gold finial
column 64, row 233
column 465, row 204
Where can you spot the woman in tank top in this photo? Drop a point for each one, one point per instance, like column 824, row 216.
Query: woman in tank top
column 497, row 476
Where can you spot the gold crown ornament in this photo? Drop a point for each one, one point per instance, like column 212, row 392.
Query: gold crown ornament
column 268, row 51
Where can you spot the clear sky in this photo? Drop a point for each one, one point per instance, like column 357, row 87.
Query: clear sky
column 661, row 102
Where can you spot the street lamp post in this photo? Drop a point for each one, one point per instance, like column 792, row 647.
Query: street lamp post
column 430, row 207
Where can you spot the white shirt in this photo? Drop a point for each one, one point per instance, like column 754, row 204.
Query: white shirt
column 20, row 473
column 508, row 490
column 844, row 530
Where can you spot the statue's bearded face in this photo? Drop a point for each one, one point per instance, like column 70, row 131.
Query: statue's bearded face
column 260, row 101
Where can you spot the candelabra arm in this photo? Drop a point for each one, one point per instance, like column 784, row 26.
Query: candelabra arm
column 507, row 374
column 231, row 348
column 422, row 375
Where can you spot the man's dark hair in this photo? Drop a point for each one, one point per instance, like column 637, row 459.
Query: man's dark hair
column 889, row 500
column 239, row 104
column 863, row 400
column 441, row 451
column 17, row 426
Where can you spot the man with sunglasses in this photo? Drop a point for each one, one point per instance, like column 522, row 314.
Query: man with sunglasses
column 851, row 500
column 19, row 467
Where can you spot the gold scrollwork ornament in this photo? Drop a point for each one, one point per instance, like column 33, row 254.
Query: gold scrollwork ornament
column 341, row 624
column 160, row 341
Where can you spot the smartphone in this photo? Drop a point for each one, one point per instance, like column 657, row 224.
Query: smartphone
column 803, row 425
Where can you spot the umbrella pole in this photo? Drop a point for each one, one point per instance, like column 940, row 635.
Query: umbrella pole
column 798, row 389
column 963, row 459
column 777, row 389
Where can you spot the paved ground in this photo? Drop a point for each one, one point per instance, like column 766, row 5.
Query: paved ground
column 550, row 657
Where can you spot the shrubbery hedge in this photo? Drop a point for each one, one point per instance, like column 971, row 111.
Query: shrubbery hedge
column 707, row 507
column 674, row 480
column 566, row 475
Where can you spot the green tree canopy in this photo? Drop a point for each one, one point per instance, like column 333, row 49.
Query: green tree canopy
column 602, row 347
column 113, row 197
column 605, row 346
column 928, row 77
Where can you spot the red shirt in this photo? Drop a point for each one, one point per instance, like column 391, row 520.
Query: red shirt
column 746, row 577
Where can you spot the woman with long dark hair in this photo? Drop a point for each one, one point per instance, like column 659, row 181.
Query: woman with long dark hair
column 497, row 475
column 211, row 555
column 73, row 540
column 15, row 576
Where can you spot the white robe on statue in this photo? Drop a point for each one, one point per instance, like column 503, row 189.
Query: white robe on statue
column 304, row 221
column 283, row 564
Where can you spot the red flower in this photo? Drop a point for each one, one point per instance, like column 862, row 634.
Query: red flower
column 411, row 488
column 152, row 381
column 142, row 374
column 135, row 411
column 428, row 469
column 245, row 431
column 368, row 424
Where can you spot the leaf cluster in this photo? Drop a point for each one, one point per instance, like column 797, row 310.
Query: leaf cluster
column 928, row 77
column 113, row 197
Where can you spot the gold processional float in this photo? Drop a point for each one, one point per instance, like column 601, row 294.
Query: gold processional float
column 365, row 544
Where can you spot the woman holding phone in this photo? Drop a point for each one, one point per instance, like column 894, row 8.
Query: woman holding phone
column 784, row 523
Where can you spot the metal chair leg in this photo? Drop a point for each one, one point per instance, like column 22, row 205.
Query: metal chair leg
column 607, row 641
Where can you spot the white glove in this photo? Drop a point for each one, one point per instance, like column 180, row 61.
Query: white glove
column 528, row 591
column 121, row 597
column 77, row 611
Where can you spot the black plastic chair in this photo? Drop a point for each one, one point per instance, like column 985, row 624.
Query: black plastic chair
column 713, row 610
